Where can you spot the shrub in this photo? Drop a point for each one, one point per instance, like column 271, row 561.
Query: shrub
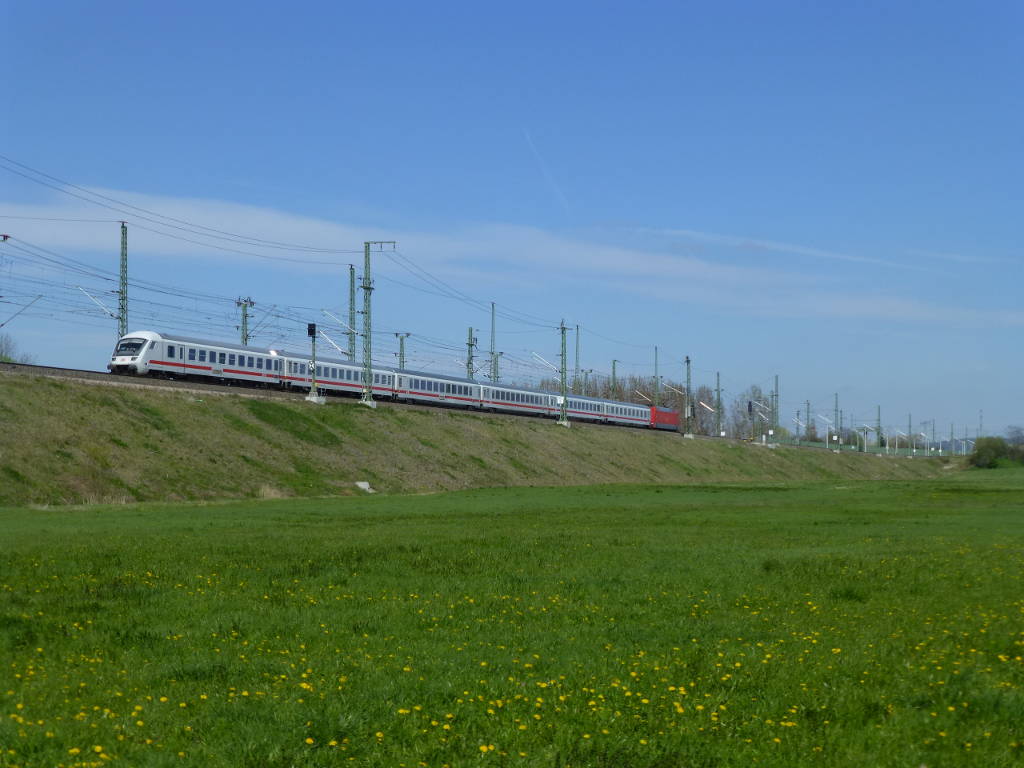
column 988, row 451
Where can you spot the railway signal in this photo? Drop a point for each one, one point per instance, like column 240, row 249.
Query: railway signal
column 313, row 396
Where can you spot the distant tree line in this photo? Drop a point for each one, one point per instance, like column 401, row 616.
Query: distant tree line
column 9, row 351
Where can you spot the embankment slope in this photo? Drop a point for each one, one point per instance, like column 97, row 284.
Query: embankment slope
column 64, row 442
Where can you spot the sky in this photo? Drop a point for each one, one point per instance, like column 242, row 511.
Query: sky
column 826, row 192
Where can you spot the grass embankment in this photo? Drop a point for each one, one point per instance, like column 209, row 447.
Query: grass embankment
column 871, row 625
column 65, row 442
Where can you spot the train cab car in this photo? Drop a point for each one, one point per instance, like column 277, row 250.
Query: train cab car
column 132, row 353
column 150, row 353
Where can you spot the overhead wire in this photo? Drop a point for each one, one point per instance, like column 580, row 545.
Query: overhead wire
column 184, row 224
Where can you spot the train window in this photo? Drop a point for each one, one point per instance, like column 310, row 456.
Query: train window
column 129, row 346
column 202, row 355
column 191, row 353
column 231, row 359
column 170, row 350
column 221, row 357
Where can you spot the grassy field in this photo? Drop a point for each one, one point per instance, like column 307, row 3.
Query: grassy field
column 63, row 442
column 838, row 625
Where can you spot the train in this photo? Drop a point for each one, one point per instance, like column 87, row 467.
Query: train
column 150, row 353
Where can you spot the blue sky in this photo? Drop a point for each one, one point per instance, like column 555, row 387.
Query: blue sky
column 829, row 192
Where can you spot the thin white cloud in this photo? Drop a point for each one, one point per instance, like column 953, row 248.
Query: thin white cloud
column 497, row 260
column 773, row 246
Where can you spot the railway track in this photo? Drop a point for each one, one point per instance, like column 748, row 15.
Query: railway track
column 140, row 382
column 101, row 378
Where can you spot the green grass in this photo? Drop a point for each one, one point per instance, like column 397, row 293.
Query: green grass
column 841, row 625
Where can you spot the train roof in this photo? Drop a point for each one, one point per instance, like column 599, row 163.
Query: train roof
column 222, row 344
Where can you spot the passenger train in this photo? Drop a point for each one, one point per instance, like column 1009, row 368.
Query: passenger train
column 148, row 353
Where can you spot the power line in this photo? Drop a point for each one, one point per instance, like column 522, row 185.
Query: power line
column 223, row 234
